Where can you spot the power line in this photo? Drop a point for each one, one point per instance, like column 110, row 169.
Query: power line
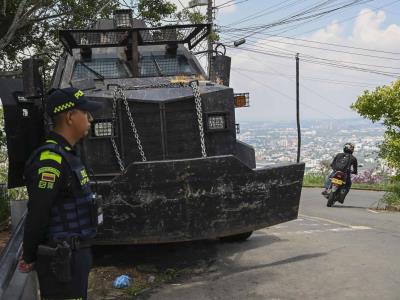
column 348, row 19
column 280, row 31
column 180, row 2
column 329, row 44
column 312, row 91
column 263, row 12
column 284, row 94
column 231, row 4
column 349, row 62
column 313, row 78
column 335, row 50
column 320, row 62
column 309, row 13
column 257, row 46
column 227, row 2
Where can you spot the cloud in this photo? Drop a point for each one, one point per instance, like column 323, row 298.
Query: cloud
column 368, row 31
column 325, row 92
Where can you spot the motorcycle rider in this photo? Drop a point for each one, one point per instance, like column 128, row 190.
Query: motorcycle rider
column 351, row 167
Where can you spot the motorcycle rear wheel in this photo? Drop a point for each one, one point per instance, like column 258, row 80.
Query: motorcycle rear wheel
column 331, row 199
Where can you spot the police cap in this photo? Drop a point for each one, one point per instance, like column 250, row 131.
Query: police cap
column 61, row 100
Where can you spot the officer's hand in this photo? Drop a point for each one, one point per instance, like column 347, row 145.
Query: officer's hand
column 24, row 267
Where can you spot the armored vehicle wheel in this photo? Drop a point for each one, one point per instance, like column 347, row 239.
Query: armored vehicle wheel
column 331, row 199
column 241, row 237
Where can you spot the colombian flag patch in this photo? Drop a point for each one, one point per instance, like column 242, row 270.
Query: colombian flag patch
column 49, row 177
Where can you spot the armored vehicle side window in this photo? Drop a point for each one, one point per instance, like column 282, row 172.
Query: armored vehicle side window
column 107, row 67
column 164, row 65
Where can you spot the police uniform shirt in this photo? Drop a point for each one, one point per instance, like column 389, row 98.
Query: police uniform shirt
column 48, row 180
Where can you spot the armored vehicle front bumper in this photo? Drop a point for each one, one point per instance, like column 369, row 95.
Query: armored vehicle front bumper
column 192, row 199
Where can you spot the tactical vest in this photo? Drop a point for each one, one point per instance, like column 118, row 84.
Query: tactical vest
column 75, row 215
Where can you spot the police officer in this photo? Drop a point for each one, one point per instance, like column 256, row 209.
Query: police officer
column 62, row 215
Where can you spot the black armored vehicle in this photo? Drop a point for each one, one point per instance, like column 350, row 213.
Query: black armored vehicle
column 162, row 152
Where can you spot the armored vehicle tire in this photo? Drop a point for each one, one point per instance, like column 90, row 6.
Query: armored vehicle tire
column 331, row 199
column 241, row 237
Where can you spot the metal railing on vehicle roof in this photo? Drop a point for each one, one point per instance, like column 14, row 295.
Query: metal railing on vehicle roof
column 191, row 34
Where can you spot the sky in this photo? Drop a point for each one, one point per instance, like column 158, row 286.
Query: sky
column 265, row 66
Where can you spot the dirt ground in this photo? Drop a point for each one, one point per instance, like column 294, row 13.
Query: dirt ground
column 5, row 234
column 149, row 266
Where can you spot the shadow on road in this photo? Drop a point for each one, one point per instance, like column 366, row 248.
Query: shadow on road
column 230, row 267
column 350, row 206
column 200, row 261
column 176, row 255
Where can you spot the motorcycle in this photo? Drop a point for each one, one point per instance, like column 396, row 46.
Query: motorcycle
column 337, row 190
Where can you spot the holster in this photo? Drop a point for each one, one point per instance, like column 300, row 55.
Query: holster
column 59, row 258
column 94, row 211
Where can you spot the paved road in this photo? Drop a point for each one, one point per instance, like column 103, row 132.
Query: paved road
column 344, row 252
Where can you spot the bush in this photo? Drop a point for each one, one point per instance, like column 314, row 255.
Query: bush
column 367, row 177
column 392, row 197
column 4, row 204
column 363, row 181
column 12, row 194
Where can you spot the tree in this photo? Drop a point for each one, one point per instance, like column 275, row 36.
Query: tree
column 325, row 166
column 155, row 11
column 383, row 104
column 29, row 27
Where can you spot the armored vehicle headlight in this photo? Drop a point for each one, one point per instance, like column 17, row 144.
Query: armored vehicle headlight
column 216, row 122
column 102, row 129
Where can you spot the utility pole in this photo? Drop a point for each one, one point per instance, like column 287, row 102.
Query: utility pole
column 210, row 43
column 298, row 108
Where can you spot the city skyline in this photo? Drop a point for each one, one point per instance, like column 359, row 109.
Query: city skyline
column 276, row 142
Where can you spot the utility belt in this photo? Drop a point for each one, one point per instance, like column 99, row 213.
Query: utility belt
column 57, row 256
column 74, row 242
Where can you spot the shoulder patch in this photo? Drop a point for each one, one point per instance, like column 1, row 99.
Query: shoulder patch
column 49, row 155
column 47, row 177
column 49, row 170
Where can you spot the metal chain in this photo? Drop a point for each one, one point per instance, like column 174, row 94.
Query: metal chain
column 199, row 110
column 120, row 163
column 119, row 94
column 114, row 119
column 132, row 123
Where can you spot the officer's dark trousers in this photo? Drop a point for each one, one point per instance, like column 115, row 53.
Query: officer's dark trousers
column 50, row 288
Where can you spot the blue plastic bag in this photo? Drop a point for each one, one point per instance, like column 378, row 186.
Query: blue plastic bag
column 122, row 282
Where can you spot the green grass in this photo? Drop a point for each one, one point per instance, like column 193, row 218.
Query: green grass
column 138, row 287
column 392, row 197
column 372, row 187
column 313, row 180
